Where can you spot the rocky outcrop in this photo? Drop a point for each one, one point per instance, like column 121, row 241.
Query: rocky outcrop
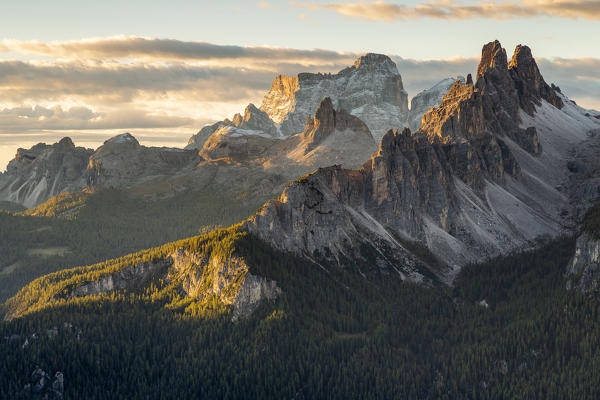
column 529, row 82
column 423, row 101
column 232, row 143
column 331, row 137
column 199, row 276
column 229, row 279
column 255, row 120
column 493, row 104
column 43, row 171
column 133, row 277
column 478, row 179
column 371, row 89
column 122, row 161
column 583, row 271
column 43, row 385
column 197, row 141
column 327, row 120
column 435, row 194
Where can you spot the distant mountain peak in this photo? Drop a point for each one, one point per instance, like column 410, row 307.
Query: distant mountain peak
column 372, row 59
column 123, row 138
column 66, row 142
column 327, row 120
column 493, row 56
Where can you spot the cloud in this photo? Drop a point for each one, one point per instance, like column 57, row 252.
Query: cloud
column 445, row 9
column 264, row 5
column 121, row 47
column 22, row 119
column 20, row 80
column 578, row 78
column 134, row 89
column 419, row 75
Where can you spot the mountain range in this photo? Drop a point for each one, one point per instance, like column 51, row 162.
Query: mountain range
column 360, row 195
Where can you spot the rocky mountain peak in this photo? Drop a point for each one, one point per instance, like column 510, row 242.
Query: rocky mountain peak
column 374, row 60
column 395, row 140
column 286, row 85
column 66, row 142
column 529, row 81
column 493, row 56
column 325, row 115
column 123, row 138
column 256, row 120
column 424, row 100
column 492, row 106
column 327, row 120
column 371, row 89
column 43, row 171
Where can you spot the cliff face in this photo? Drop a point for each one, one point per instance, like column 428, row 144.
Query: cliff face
column 255, row 120
column 493, row 104
column 410, row 191
column 423, row 101
column 327, row 120
column 197, row 277
column 480, row 177
column 583, row 271
column 331, row 137
column 122, row 161
column 43, row 171
column 371, row 89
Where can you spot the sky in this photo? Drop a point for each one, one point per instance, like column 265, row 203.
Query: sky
column 163, row 69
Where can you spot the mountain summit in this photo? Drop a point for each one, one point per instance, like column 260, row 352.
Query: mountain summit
column 485, row 174
column 371, row 89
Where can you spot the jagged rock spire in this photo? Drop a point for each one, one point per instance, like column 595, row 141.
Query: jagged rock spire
column 327, row 120
column 529, row 81
column 493, row 56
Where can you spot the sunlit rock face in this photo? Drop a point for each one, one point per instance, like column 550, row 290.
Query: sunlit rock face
column 428, row 98
column 371, row 89
column 43, row 171
column 327, row 120
column 486, row 173
column 331, row 137
column 197, row 141
column 256, row 120
column 195, row 275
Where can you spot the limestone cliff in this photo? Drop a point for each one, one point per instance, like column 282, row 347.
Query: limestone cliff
column 371, row 89
column 193, row 275
column 43, row 171
column 481, row 177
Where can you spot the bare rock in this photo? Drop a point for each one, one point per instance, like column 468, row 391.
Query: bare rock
column 371, row 89
column 327, row 120
column 197, row 141
column 256, row 120
column 583, row 271
column 43, row 171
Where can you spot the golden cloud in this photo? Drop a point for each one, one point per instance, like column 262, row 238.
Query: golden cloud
column 389, row 12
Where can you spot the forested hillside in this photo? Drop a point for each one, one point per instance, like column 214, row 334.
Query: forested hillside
column 508, row 329
column 79, row 229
